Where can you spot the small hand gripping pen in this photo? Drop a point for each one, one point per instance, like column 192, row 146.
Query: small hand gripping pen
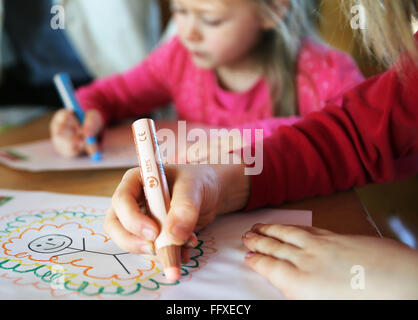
column 65, row 89
column 157, row 193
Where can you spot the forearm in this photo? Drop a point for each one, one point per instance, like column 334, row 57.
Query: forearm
column 234, row 186
column 269, row 126
column 122, row 96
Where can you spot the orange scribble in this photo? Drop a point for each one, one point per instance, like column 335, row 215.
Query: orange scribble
column 22, row 255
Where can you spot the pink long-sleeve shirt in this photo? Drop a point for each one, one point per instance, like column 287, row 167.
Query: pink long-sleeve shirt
column 169, row 75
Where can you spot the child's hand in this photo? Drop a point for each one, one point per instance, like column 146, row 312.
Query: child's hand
column 199, row 193
column 214, row 150
column 67, row 134
column 217, row 150
column 310, row 263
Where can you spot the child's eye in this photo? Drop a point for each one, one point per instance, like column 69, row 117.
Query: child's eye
column 212, row 22
column 177, row 10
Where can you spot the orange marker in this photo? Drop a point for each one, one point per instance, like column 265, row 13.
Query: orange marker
column 156, row 193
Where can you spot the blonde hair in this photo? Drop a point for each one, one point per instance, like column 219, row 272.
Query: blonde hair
column 280, row 47
column 388, row 33
column 388, row 30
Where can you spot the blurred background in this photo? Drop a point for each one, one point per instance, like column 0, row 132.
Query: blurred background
column 90, row 46
column 105, row 37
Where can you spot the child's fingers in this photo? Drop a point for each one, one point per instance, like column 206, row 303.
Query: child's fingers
column 93, row 123
column 193, row 241
column 184, row 210
column 316, row 231
column 271, row 247
column 279, row 272
column 289, row 234
column 311, row 230
column 66, row 134
column 124, row 239
column 125, row 203
column 68, row 146
column 64, row 121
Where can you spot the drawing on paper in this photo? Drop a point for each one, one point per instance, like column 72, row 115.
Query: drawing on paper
column 12, row 155
column 4, row 199
column 66, row 252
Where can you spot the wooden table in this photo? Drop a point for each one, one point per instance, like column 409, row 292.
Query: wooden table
column 342, row 212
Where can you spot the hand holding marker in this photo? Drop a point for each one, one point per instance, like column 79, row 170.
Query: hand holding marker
column 66, row 91
column 157, row 194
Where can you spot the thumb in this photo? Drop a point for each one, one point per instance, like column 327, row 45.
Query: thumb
column 184, row 211
column 93, row 123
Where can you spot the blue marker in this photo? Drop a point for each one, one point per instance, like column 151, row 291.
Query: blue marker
column 66, row 91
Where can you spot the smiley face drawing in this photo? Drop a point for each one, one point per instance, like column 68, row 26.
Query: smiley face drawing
column 50, row 243
column 53, row 243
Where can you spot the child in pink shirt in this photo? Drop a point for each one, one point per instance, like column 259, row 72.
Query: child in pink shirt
column 218, row 72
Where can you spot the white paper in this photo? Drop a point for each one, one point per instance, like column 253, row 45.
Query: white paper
column 52, row 246
column 118, row 151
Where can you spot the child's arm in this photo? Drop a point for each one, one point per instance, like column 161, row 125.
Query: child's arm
column 131, row 94
column 268, row 127
column 134, row 93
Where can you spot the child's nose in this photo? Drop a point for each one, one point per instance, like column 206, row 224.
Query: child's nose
column 192, row 32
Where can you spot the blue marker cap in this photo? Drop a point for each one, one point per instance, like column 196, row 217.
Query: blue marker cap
column 97, row 157
column 91, row 140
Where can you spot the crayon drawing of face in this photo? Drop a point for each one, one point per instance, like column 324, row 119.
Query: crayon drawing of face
column 50, row 243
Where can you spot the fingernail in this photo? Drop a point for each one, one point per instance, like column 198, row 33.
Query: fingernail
column 250, row 254
column 147, row 249
column 191, row 244
column 257, row 226
column 148, row 234
column 250, row 234
column 194, row 241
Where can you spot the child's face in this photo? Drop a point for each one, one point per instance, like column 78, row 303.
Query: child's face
column 217, row 32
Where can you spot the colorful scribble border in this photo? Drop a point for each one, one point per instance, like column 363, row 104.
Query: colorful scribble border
column 16, row 266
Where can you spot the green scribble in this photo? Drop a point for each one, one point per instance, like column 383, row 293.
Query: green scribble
column 16, row 155
column 3, row 200
column 24, row 219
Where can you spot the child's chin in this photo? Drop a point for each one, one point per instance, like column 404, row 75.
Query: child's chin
column 203, row 63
